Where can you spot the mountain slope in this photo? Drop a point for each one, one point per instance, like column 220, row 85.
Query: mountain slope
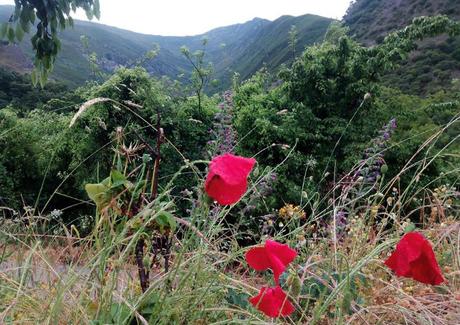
column 271, row 45
column 436, row 63
column 242, row 48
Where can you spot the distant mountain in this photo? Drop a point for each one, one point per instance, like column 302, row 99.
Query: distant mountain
column 242, row 48
column 434, row 65
column 269, row 44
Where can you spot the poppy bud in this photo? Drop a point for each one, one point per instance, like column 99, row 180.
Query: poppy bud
column 384, row 169
column 295, row 285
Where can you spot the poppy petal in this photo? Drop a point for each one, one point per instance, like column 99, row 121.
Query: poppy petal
column 257, row 259
column 227, row 178
column 280, row 256
column 224, row 193
column 414, row 258
column 273, row 302
column 273, row 255
column 420, row 274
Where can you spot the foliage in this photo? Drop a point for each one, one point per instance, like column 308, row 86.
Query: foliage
column 52, row 153
column 51, row 16
column 293, row 39
column 201, row 71
column 369, row 21
column 433, row 65
column 328, row 107
column 18, row 92
column 330, row 281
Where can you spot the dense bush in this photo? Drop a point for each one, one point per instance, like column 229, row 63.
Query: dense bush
column 39, row 150
column 17, row 90
column 329, row 106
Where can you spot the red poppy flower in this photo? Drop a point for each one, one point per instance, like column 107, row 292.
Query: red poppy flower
column 414, row 258
column 273, row 255
column 272, row 302
column 227, row 179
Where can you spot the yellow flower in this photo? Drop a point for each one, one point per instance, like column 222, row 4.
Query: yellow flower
column 289, row 211
column 374, row 211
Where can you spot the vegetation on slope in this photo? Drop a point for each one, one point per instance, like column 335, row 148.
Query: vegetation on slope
column 436, row 63
column 242, row 48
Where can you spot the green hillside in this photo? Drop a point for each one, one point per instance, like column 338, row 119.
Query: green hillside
column 271, row 44
column 242, row 48
column 436, row 63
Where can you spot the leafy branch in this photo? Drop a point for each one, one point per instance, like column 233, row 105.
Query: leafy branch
column 52, row 15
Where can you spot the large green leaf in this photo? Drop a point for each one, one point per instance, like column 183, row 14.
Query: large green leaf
column 99, row 194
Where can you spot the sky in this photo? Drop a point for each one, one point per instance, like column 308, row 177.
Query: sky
column 192, row 17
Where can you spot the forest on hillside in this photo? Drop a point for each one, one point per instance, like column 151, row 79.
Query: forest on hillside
column 315, row 181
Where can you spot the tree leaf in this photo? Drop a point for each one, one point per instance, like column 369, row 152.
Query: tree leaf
column 10, row 34
column 19, row 32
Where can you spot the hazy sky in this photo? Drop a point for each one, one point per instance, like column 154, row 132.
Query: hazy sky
column 190, row 17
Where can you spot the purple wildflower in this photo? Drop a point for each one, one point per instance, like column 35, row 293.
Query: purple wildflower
column 369, row 170
column 223, row 133
column 371, row 165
